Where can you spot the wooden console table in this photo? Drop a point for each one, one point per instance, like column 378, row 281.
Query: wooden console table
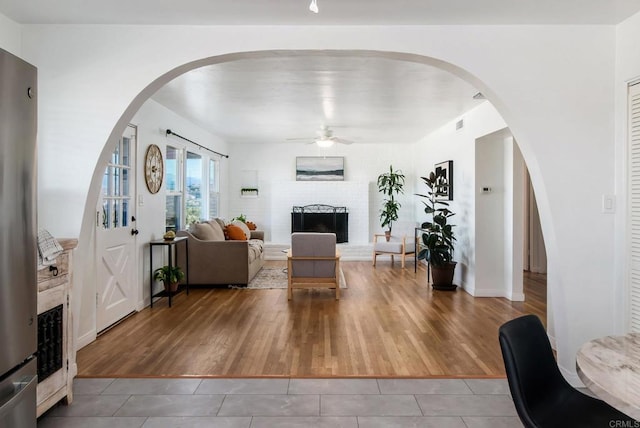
column 172, row 249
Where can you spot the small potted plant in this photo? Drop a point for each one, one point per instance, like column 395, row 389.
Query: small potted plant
column 241, row 217
column 438, row 236
column 390, row 184
column 170, row 277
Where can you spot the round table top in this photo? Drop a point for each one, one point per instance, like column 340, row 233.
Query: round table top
column 610, row 368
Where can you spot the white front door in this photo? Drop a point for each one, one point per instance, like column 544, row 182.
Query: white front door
column 116, row 235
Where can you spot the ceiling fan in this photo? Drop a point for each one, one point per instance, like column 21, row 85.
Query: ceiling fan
column 324, row 138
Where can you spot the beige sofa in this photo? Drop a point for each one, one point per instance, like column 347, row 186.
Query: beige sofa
column 216, row 261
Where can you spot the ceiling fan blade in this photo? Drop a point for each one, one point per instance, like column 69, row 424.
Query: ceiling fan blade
column 299, row 139
column 342, row 140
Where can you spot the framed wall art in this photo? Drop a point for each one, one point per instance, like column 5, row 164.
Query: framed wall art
column 319, row 168
column 444, row 171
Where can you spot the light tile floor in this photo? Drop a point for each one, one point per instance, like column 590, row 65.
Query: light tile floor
column 286, row 403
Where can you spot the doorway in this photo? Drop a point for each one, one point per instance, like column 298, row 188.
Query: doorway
column 116, row 235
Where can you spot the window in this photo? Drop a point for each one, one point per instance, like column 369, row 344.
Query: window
column 192, row 185
column 214, row 188
column 116, row 185
column 173, row 176
column 193, row 189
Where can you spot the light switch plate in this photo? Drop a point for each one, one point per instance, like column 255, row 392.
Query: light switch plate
column 608, row 204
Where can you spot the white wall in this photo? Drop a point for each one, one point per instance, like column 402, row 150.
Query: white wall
column 276, row 165
column 447, row 143
column 152, row 121
column 10, row 35
column 94, row 78
column 627, row 71
column 489, row 249
column 514, row 229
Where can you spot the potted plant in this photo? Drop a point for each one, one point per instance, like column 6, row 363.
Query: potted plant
column 241, row 217
column 438, row 236
column 170, row 277
column 390, row 184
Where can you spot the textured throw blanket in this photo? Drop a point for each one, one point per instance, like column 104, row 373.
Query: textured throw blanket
column 48, row 249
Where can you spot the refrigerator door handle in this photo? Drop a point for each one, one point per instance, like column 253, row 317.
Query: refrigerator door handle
column 21, row 388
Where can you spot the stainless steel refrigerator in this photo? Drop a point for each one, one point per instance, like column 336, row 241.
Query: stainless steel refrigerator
column 18, row 250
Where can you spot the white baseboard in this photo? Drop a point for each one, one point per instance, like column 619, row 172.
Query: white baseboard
column 515, row 297
column 488, row 293
column 86, row 339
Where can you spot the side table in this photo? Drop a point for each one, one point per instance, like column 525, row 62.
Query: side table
column 172, row 249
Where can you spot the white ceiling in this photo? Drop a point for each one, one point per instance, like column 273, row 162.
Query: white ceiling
column 362, row 98
column 332, row 12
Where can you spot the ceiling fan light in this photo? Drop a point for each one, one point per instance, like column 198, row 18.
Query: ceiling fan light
column 324, row 143
column 313, row 7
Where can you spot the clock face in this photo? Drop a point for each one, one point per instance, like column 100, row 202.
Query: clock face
column 153, row 168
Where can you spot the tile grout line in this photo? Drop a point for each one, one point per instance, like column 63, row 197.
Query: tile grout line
column 221, row 404
column 122, row 405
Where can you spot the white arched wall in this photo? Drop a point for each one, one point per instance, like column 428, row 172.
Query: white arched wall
column 535, row 76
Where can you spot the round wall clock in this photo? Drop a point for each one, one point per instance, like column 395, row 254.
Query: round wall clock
column 153, row 168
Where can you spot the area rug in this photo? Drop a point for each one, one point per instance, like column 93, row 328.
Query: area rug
column 271, row 277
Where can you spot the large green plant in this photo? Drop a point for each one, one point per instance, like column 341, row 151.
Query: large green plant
column 390, row 184
column 438, row 237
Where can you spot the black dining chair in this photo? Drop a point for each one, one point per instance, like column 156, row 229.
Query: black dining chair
column 543, row 398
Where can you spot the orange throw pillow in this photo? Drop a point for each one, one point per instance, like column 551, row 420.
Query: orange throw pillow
column 251, row 225
column 235, row 233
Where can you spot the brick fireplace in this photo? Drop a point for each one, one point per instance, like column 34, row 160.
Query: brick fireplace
column 352, row 196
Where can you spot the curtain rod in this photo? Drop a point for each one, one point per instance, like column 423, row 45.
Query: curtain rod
column 170, row 132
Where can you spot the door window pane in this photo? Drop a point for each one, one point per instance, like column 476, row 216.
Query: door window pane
column 117, row 187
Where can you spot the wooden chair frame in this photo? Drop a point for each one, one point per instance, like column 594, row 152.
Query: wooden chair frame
column 403, row 254
column 311, row 282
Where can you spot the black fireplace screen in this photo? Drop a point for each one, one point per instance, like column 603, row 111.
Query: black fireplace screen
column 321, row 218
column 49, row 342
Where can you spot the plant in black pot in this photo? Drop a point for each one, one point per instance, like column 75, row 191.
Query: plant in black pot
column 438, row 236
column 390, row 184
column 170, row 277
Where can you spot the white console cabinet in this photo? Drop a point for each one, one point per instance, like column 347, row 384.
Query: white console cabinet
column 56, row 348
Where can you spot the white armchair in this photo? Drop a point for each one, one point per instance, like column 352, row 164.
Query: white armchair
column 396, row 246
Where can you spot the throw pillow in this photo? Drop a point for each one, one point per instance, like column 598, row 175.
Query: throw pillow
column 203, row 231
column 220, row 222
column 219, row 234
column 251, row 225
column 236, row 233
column 244, row 228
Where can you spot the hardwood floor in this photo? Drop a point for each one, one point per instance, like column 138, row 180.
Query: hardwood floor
column 388, row 323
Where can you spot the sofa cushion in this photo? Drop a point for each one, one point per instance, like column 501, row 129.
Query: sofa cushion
column 219, row 233
column 203, row 231
column 236, row 233
column 221, row 222
column 255, row 249
column 244, row 228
